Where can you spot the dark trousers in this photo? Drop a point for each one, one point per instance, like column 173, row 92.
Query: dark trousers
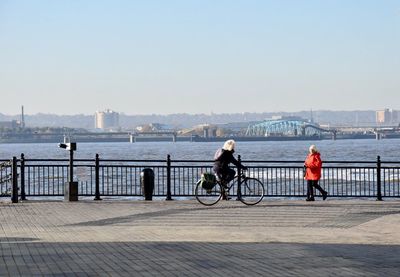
column 226, row 175
column 311, row 184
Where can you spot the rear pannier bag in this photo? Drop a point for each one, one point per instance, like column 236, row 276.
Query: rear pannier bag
column 208, row 180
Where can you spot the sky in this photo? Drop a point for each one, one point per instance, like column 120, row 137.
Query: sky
column 198, row 56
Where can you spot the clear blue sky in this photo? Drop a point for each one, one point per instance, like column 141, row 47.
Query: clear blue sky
column 221, row 56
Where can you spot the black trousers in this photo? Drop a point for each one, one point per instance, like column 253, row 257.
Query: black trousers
column 226, row 175
column 311, row 184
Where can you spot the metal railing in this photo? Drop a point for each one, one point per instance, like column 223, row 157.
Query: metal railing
column 177, row 178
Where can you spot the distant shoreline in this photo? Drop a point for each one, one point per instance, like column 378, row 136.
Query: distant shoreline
column 60, row 138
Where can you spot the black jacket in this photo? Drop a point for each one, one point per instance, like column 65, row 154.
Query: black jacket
column 222, row 161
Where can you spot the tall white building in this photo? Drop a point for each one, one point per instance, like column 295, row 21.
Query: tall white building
column 106, row 120
column 387, row 116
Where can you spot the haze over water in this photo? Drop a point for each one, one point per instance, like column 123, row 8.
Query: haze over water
column 357, row 150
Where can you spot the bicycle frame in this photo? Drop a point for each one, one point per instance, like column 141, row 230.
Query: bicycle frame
column 239, row 177
column 252, row 194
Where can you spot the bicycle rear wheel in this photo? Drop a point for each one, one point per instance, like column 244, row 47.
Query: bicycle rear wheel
column 251, row 191
column 208, row 197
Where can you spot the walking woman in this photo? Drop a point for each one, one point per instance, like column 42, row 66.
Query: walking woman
column 313, row 165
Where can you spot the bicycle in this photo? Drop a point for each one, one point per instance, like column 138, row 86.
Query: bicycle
column 250, row 191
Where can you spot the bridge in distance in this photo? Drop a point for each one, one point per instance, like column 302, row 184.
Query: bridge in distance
column 258, row 131
column 265, row 130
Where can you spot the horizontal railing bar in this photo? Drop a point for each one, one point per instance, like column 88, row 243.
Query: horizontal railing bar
column 132, row 165
column 88, row 160
column 133, row 161
column 46, row 160
column 196, row 166
column 46, row 165
column 202, row 161
column 302, row 162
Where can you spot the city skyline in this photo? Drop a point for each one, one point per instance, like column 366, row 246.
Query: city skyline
column 16, row 111
column 198, row 57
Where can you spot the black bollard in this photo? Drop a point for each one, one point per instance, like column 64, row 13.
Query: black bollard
column 147, row 183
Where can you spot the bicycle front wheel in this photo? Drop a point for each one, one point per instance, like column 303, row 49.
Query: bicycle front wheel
column 251, row 191
column 208, row 197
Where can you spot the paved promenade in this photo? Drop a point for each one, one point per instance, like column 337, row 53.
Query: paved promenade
column 182, row 238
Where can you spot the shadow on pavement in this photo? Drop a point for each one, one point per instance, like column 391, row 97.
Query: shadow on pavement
column 196, row 259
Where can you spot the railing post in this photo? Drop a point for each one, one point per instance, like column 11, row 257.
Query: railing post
column 169, row 197
column 378, row 179
column 22, row 172
column 70, row 188
column 239, row 171
column 14, row 189
column 71, row 166
column 97, row 178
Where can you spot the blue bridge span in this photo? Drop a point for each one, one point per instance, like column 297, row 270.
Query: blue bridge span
column 287, row 128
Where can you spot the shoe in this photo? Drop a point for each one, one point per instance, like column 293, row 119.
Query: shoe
column 208, row 191
column 324, row 195
column 225, row 196
column 310, row 199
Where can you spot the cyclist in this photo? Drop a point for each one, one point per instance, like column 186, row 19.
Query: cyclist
column 222, row 158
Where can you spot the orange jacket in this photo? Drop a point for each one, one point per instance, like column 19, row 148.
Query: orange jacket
column 313, row 165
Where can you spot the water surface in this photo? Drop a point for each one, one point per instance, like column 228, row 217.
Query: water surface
column 362, row 149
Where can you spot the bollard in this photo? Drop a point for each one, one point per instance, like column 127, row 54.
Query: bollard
column 147, row 183
column 71, row 191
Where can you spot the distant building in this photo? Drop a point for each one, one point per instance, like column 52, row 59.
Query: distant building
column 13, row 124
column 286, row 117
column 387, row 116
column 106, row 120
column 9, row 124
column 153, row 127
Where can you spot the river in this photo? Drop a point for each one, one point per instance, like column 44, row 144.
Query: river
column 357, row 150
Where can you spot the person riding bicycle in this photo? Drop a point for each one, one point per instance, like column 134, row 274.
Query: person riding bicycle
column 222, row 158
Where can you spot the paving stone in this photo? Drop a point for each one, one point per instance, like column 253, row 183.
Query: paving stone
column 175, row 238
